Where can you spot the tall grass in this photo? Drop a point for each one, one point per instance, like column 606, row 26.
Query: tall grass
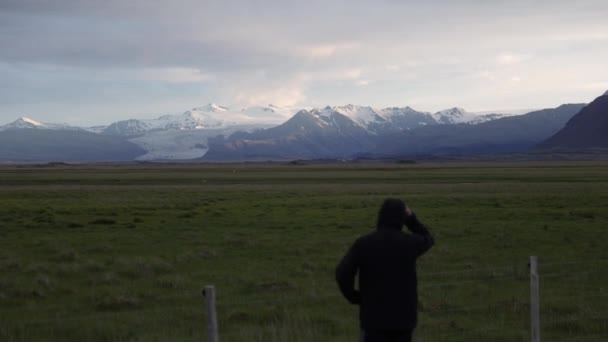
column 121, row 253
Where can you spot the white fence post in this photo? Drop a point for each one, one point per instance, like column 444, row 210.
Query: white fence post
column 209, row 293
column 534, row 300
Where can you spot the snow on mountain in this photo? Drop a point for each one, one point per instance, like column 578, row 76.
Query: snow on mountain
column 172, row 145
column 393, row 111
column 324, row 113
column 487, row 117
column 95, row 129
column 212, row 107
column 255, row 115
column 392, row 119
column 186, row 135
column 370, row 119
column 378, row 120
column 25, row 122
column 606, row 93
column 197, row 118
column 182, row 144
column 336, row 117
column 208, row 117
column 458, row 115
column 453, row 116
column 126, row 128
column 211, row 116
column 363, row 116
column 407, row 118
column 214, row 116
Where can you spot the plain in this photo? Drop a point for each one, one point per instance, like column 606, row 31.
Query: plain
column 121, row 252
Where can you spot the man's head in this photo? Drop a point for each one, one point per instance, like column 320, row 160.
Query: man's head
column 391, row 214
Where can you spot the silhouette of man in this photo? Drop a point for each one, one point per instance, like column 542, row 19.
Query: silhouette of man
column 386, row 262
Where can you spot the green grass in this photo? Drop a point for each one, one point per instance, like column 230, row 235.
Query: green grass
column 121, row 253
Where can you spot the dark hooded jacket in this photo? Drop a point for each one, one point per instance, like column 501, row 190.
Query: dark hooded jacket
column 386, row 262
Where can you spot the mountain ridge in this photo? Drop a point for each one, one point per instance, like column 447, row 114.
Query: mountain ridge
column 216, row 132
column 303, row 134
column 209, row 116
column 588, row 129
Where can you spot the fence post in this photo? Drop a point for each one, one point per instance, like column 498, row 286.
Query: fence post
column 209, row 294
column 534, row 300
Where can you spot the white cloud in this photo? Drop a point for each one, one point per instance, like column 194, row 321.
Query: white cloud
column 282, row 96
column 321, row 51
column 259, row 88
column 353, row 73
column 581, row 36
column 596, row 86
column 450, row 60
column 326, row 50
column 510, row 59
column 289, row 52
column 487, row 75
column 173, row 75
column 328, row 75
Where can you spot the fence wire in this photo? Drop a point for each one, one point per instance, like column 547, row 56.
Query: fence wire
column 572, row 307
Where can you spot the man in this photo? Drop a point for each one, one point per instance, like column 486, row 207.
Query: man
column 386, row 262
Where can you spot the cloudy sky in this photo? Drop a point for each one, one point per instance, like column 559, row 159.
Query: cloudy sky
column 93, row 62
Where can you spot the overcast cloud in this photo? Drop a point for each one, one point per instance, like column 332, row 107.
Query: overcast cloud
column 92, row 62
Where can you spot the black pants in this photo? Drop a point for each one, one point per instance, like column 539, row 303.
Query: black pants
column 386, row 336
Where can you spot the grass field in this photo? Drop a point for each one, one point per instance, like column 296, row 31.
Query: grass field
column 121, row 253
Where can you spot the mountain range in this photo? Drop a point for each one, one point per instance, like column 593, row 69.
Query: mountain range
column 509, row 134
column 328, row 133
column 219, row 133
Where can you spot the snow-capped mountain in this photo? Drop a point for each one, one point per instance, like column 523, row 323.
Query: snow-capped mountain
column 458, row 115
column 342, row 121
column 326, row 133
column 363, row 116
column 329, row 132
column 453, row 116
column 319, row 132
column 24, row 122
column 367, row 118
column 196, row 118
column 506, row 134
column 380, row 121
column 126, row 128
column 394, row 119
column 407, row 118
column 211, row 116
column 208, row 117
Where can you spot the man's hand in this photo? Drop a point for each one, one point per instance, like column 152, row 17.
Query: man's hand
column 426, row 240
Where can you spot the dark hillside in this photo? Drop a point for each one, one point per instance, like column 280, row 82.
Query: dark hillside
column 587, row 129
column 64, row 145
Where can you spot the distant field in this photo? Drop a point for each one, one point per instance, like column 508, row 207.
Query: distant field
column 121, row 253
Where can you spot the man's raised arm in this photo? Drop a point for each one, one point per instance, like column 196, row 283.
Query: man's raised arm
column 426, row 240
